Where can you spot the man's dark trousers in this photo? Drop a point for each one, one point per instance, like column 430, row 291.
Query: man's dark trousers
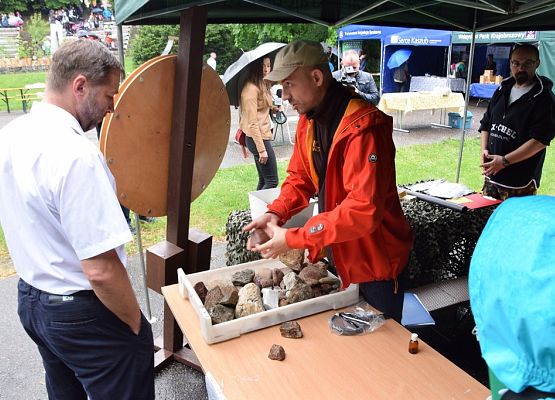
column 86, row 349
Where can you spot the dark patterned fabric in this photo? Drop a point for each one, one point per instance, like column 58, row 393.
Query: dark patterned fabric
column 444, row 241
column 502, row 193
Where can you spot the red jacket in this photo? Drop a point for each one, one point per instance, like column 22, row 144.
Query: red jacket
column 364, row 223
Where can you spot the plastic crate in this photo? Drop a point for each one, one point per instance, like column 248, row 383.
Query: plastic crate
column 455, row 120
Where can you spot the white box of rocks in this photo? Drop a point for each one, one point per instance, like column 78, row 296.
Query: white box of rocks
column 242, row 298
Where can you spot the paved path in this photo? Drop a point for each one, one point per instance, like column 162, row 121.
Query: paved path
column 21, row 372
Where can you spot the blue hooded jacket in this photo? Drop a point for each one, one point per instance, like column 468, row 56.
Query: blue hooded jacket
column 512, row 293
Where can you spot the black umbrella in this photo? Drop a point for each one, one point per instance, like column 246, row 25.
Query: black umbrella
column 235, row 74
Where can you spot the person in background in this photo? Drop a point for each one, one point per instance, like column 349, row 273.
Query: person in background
column 517, row 127
column 460, row 69
column 401, row 76
column 255, row 104
column 332, row 58
column 351, row 75
column 66, row 234
column 491, row 65
column 345, row 153
column 212, row 61
column 363, row 60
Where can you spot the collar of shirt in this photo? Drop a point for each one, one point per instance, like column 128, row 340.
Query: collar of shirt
column 51, row 111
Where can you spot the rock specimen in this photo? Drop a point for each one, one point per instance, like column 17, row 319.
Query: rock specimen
column 311, row 274
column 241, row 278
column 293, row 259
column 250, row 301
column 300, row 292
column 220, row 313
column 230, row 296
column 201, row 290
column 290, row 280
column 277, row 353
column 277, row 276
column 291, row 329
column 263, row 278
column 259, row 236
column 213, row 297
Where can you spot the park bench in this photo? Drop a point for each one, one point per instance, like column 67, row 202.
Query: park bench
column 25, row 95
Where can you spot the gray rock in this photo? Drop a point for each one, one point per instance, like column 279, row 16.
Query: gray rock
column 230, row 296
column 291, row 329
column 241, row 278
column 250, row 301
column 213, row 297
column 220, row 313
column 277, row 353
column 290, row 280
column 330, row 280
column 201, row 290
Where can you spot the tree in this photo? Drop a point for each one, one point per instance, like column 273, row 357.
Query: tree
column 32, row 36
column 248, row 36
column 150, row 42
column 218, row 39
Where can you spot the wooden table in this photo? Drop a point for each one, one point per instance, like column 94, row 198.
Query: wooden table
column 323, row 365
column 402, row 103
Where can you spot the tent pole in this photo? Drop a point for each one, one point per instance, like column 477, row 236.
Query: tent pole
column 466, row 97
column 121, row 57
column 449, row 58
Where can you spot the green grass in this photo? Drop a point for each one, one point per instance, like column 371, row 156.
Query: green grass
column 229, row 189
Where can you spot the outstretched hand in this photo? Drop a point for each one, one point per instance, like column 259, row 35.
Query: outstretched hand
column 276, row 245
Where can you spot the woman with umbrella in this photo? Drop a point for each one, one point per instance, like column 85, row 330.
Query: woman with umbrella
column 255, row 104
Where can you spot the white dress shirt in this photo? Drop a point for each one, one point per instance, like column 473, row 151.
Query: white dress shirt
column 57, row 200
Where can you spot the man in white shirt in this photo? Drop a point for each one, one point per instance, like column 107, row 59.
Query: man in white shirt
column 66, row 233
column 212, row 61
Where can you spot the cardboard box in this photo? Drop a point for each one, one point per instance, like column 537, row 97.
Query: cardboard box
column 498, row 79
column 235, row 328
column 260, row 199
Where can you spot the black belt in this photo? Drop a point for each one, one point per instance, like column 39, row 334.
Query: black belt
column 58, row 298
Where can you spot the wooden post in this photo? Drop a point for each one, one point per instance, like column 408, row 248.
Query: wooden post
column 164, row 258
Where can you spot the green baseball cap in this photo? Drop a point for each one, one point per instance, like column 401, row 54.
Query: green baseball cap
column 296, row 54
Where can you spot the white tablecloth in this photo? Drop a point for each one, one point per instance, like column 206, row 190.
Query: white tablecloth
column 413, row 101
column 429, row 83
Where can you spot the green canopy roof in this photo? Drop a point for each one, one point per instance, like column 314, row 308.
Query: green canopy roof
column 491, row 15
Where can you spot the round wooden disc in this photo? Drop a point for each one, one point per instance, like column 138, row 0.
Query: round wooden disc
column 122, row 87
column 138, row 136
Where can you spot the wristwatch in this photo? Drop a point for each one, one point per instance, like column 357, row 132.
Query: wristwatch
column 505, row 161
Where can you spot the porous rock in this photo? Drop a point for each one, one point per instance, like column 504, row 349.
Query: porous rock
column 277, row 353
column 241, row 278
column 220, row 313
column 250, row 301
column 201, row 290
column 291, row 329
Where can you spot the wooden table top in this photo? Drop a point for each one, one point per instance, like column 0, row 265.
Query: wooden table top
column 323, row 365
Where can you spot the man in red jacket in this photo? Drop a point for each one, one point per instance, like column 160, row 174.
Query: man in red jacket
column 345, row 154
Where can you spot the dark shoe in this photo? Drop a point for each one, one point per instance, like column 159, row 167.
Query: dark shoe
column 148, row 220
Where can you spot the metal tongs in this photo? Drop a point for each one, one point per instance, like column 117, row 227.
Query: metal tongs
column 353, row 319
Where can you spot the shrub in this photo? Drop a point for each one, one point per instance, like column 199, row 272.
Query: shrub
column 32, row 37
column 150, row 42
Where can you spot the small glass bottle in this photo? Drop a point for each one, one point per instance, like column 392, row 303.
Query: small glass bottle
column 413, row 344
